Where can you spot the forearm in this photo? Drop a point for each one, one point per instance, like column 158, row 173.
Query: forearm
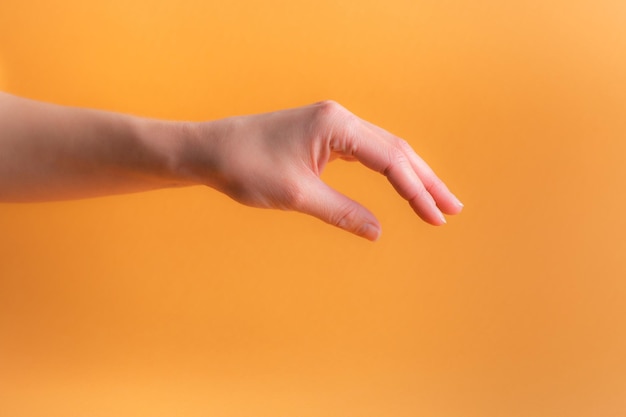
column 51, row 152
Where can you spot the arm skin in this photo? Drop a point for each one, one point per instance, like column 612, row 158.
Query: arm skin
column 273, row 160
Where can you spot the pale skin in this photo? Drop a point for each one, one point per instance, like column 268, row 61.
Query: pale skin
column 273, row 160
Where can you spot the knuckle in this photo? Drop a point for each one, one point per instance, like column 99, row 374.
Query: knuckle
column 332, row 121
column 345, row 217
column 329, row 111
column 329, row 106
column 429, row 184
column 432, row 184
column 402, row 144
column 417, row 196
column 397, row 156
column 421, row 194
column 395, row 159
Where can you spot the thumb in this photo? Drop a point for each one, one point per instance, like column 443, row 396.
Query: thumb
column 335, row 208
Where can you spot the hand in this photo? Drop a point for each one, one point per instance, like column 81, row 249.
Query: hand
column 274, row 160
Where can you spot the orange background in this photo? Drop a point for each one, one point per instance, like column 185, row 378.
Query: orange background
column 184, row 303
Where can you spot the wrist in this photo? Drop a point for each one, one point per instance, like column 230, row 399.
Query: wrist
column 167, row 144
column 194, row 155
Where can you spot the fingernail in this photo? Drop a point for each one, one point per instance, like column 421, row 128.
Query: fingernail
column 458, row 202
column 370, row 232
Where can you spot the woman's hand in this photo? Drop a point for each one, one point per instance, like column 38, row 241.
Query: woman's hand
column 274, row 160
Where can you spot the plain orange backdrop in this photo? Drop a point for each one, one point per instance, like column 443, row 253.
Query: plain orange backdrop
column 184, row 303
